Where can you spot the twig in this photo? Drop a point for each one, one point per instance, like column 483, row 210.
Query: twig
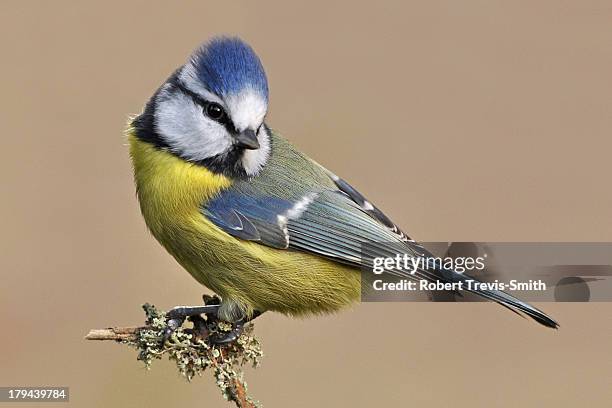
column 114, row 333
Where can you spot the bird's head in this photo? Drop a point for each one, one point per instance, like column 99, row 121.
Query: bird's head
column 211, row 110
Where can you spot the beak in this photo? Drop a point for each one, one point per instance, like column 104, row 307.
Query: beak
column 247, row 139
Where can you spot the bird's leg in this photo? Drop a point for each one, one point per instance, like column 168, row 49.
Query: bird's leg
column 176, row 316
column 232, row 335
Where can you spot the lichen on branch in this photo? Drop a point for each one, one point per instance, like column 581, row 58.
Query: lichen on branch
column 192, row 353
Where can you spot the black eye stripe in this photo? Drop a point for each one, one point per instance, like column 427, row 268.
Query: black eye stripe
column 227, row 122
column 196, row 98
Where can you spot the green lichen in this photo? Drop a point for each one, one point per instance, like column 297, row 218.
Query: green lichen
column 193, row 354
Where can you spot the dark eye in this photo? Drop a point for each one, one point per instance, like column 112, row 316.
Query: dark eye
column 215, row 111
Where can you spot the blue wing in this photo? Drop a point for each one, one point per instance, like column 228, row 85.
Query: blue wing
column 339, row 224
column 335, row 223
column 249, row 218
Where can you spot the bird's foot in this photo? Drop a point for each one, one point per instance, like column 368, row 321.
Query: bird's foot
column 222, row 338
column 202, row 327
column 228, row 337
column 176, row 317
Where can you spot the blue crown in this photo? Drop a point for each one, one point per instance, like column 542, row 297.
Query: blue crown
column 227, row 65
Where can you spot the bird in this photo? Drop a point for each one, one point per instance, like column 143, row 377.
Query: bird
column 249, row 216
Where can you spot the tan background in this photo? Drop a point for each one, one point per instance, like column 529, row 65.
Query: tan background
column 471, row 120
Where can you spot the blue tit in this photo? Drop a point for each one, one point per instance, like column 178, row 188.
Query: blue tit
column 243, row 211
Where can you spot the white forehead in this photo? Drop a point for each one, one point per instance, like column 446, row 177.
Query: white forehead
column 246, row 108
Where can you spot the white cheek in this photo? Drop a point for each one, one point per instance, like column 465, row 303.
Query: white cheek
column 187, row 131
column 254, row 160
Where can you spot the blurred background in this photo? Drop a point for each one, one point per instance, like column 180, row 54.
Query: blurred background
column 464, row 121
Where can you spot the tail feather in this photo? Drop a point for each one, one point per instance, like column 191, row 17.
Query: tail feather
column 508, row 301
column 503, row 298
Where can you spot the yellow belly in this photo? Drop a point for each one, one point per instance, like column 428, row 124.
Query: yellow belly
column 249, row 275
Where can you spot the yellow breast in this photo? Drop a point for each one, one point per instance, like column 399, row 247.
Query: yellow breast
column 168, row 184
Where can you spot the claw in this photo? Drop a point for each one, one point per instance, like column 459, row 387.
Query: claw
column 171, row 326
column 229, row 337
column 232, row 335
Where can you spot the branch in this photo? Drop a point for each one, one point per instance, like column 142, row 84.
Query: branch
column 115, row 333
column 191, row 352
